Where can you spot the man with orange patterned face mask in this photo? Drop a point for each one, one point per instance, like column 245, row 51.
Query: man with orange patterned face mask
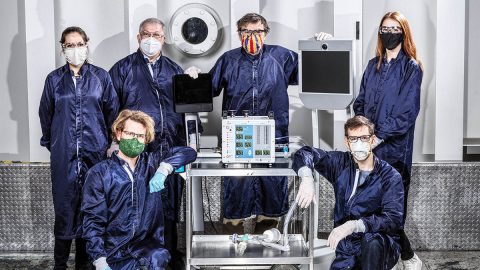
column 252, row 40
column 255, row 77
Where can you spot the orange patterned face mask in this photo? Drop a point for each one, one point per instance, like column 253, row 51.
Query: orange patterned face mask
column 252, row 43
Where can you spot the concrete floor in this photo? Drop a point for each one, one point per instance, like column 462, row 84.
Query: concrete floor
column 444, row 260
column 451, row 260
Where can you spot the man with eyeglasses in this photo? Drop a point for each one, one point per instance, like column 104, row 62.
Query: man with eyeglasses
column 369, row 198
column 255, row 77
column 122, row 208
column 143, row 81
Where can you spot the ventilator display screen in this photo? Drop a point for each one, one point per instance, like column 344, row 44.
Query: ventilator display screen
column 248, row 139
column 192, row 95
column 326, row 72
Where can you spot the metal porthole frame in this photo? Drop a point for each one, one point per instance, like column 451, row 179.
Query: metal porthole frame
column 207, row 15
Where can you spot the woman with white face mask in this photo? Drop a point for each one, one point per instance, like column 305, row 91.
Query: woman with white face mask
column 77, row 109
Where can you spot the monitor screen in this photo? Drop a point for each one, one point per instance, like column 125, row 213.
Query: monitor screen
column 193, row 95
column 326, row 72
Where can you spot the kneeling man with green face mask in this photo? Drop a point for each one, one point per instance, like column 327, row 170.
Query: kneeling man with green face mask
column 122, row 208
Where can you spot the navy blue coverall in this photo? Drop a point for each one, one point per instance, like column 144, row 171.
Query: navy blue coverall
column 138, row 90
column 257, row 83
column 378, row 202
column 390, row 98
column 76, row 120
column 123, row 221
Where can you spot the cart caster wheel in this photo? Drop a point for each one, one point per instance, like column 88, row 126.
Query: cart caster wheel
column 284, row 267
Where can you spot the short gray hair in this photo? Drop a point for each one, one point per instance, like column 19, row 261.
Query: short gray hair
column 150, row 21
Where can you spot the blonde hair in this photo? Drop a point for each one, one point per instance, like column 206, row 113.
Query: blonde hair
column 407, row 44
column 137, row 116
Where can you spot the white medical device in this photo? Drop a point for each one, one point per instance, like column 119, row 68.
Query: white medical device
column 248, row 139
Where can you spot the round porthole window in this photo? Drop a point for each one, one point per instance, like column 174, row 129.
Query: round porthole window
column 195, row 29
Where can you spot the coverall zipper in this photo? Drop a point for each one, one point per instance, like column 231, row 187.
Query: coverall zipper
column 161, row 118
column 132, row 180
column 77, row 120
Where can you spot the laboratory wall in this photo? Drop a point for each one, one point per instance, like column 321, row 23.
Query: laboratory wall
column 30, row 50
column 13, row 83
column 472, row 78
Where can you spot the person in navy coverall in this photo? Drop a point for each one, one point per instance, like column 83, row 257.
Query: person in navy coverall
column 143, row 81
column 390, row 96
column 255, row 77
column 369, row 198
column 123, row 221
column 77, row 109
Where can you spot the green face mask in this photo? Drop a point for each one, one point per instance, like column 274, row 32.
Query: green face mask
column 131, row 147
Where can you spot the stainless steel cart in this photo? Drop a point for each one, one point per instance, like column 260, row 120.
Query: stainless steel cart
column 218, row 251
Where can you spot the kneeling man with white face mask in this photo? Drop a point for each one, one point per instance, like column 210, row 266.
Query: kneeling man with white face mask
column 368, row 199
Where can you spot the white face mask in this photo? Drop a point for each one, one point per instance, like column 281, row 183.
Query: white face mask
column 76, row 56
column 360, row 150
column 150, row 46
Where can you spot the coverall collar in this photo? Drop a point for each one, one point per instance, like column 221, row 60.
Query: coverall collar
column 376, row 164
column 146, row 59
column 400, row 56
column 254, row 57
column 122, row 162
column 83, row 69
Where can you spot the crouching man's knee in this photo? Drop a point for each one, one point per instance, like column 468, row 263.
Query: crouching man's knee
column 372, row 253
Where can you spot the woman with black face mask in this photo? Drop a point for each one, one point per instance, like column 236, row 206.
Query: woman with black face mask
column 390, row 97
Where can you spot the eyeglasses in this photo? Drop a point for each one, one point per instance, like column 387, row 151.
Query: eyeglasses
column 252, row 32
column 73, row 45
column 390, row 29
column 156, row 35
column 131, row 135
column 363, row 138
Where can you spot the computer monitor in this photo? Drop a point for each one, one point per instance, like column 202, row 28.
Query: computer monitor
column 326, row 74
column 192, row 95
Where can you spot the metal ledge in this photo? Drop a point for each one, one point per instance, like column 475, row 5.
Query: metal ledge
column 219, row 250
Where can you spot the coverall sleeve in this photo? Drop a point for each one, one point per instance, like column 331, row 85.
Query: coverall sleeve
column 217, row 72
column 46, row 111
column 94, row 210
column 406, row 110
column 291, row 68
column 390, row 219
column 358, row 105
column 178, row 156
column 326, row 163
column 110, row 105
column 117, row 78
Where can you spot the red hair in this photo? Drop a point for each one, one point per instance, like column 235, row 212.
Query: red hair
column 408, row 45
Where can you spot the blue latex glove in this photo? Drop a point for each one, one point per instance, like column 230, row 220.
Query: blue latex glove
column 180, row 170
column 107, row 268
column 157, row 182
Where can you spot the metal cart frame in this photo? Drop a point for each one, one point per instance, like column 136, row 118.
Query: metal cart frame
column 204, row 246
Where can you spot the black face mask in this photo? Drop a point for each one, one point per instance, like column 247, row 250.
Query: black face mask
column 390, row 40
